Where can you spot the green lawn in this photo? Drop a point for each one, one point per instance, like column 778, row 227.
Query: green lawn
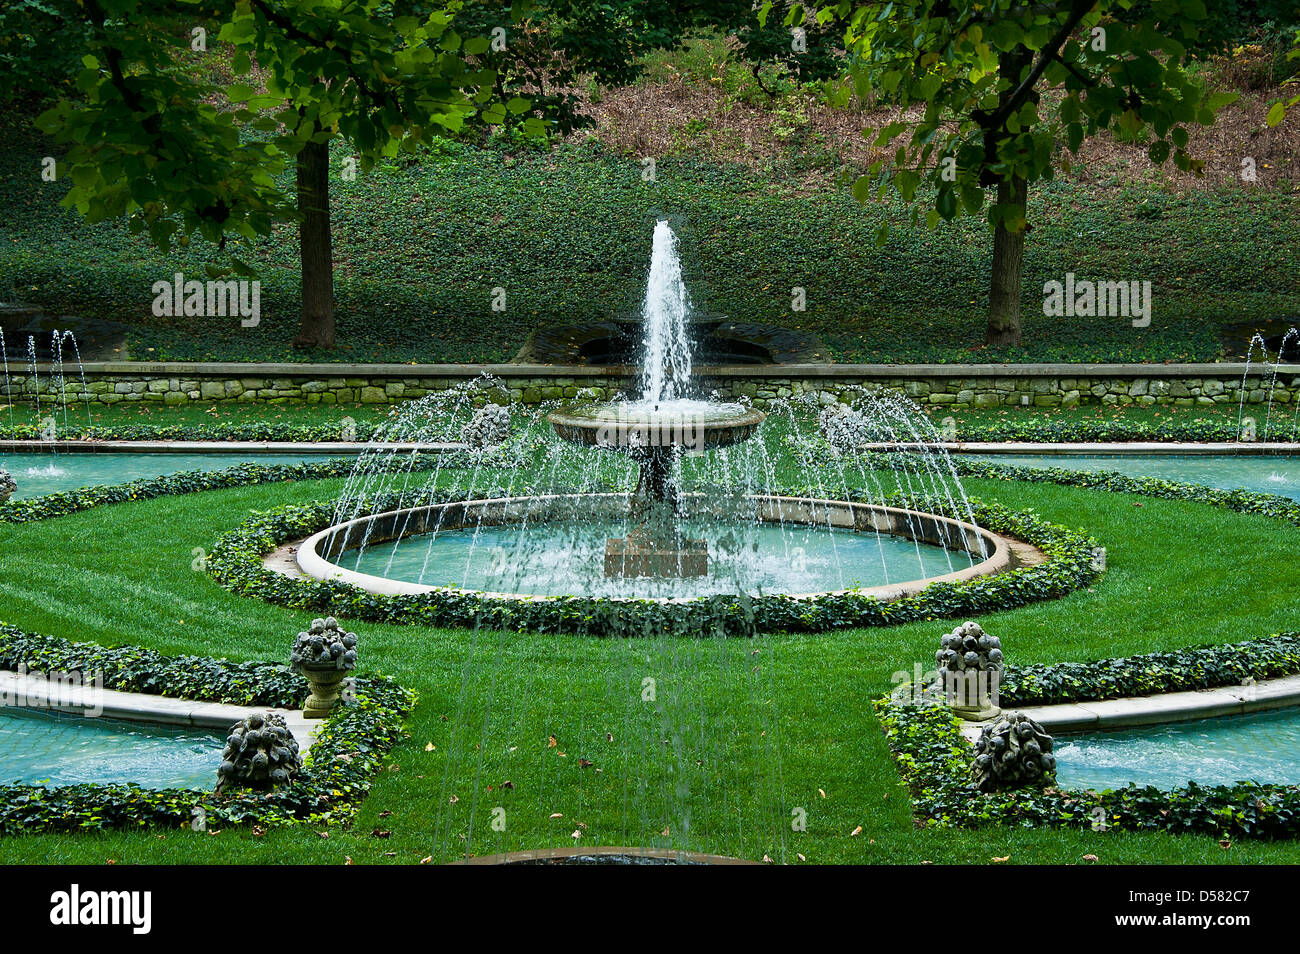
column 741, row 732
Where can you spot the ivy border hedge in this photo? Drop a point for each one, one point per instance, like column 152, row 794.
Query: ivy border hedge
column 1066, row 428
column 235, row 562
column 347, row 754
column 1182, row 670
column 934, row 760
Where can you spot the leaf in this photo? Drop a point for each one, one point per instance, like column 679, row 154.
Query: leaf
column 946, row 203
column 1276, row 113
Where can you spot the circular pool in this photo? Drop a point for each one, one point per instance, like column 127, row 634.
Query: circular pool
column 555, row 545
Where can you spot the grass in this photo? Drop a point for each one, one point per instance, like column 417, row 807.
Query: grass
column 740, row 732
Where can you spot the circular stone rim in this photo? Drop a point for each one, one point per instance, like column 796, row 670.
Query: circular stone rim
column 577, row 427
column 836, row 515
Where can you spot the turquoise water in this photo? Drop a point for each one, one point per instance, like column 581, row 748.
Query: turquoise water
column 39, row 747
column 554, row 559
column 1262, row 747
column 38, row 474
column 1264, row 474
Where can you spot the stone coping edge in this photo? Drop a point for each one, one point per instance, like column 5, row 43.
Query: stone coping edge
column 504, row 370
column 1116, row 448
column 1000, row 557
column 1112, row 714
column 41, row 692
column 224, row 447
column 1153, row 448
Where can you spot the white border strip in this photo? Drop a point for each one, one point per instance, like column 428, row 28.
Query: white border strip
column 335, row 448
column 45, row 694
column 1134, row 711
column 1117, row 449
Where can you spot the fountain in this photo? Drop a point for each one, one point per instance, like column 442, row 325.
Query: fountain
column 672, row 494
column 671, row 516
column 658, row 429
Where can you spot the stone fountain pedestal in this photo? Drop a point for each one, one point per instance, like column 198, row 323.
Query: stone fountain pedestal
column 632, row 556
column 654, row 438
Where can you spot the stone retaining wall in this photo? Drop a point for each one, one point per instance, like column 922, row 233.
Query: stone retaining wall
column 956, row 386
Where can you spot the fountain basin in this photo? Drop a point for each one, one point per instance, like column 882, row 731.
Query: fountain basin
column 695, row 426
column 984, row 552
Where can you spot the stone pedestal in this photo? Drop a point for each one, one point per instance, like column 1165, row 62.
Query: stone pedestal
column 968, row 694
column 633, row 557
column 324, row 696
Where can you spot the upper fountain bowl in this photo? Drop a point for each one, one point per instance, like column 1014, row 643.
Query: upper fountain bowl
column 691, row 425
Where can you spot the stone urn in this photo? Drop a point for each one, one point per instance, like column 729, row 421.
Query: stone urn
column 260, row 754
column 970, row 667
column 1013, row 752
column 325, row 654
column 7, row 485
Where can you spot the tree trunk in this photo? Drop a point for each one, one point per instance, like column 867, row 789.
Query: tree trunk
column 1008, row 259
column 316, row 248
column 1008, row 247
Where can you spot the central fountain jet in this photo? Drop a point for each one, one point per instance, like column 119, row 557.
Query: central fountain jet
column 658, row 428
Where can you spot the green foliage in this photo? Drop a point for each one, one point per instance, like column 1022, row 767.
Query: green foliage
column 40, row 47
column 347, row 753
column 1077, row 425
column 1183, row 670
column 539, row 60
column 934, row 759
column 253, row 430
column 568, row 236
column 150, row 141
column 977, row 71
column 132, row 669
column 1075, row 428
column 135, row 584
